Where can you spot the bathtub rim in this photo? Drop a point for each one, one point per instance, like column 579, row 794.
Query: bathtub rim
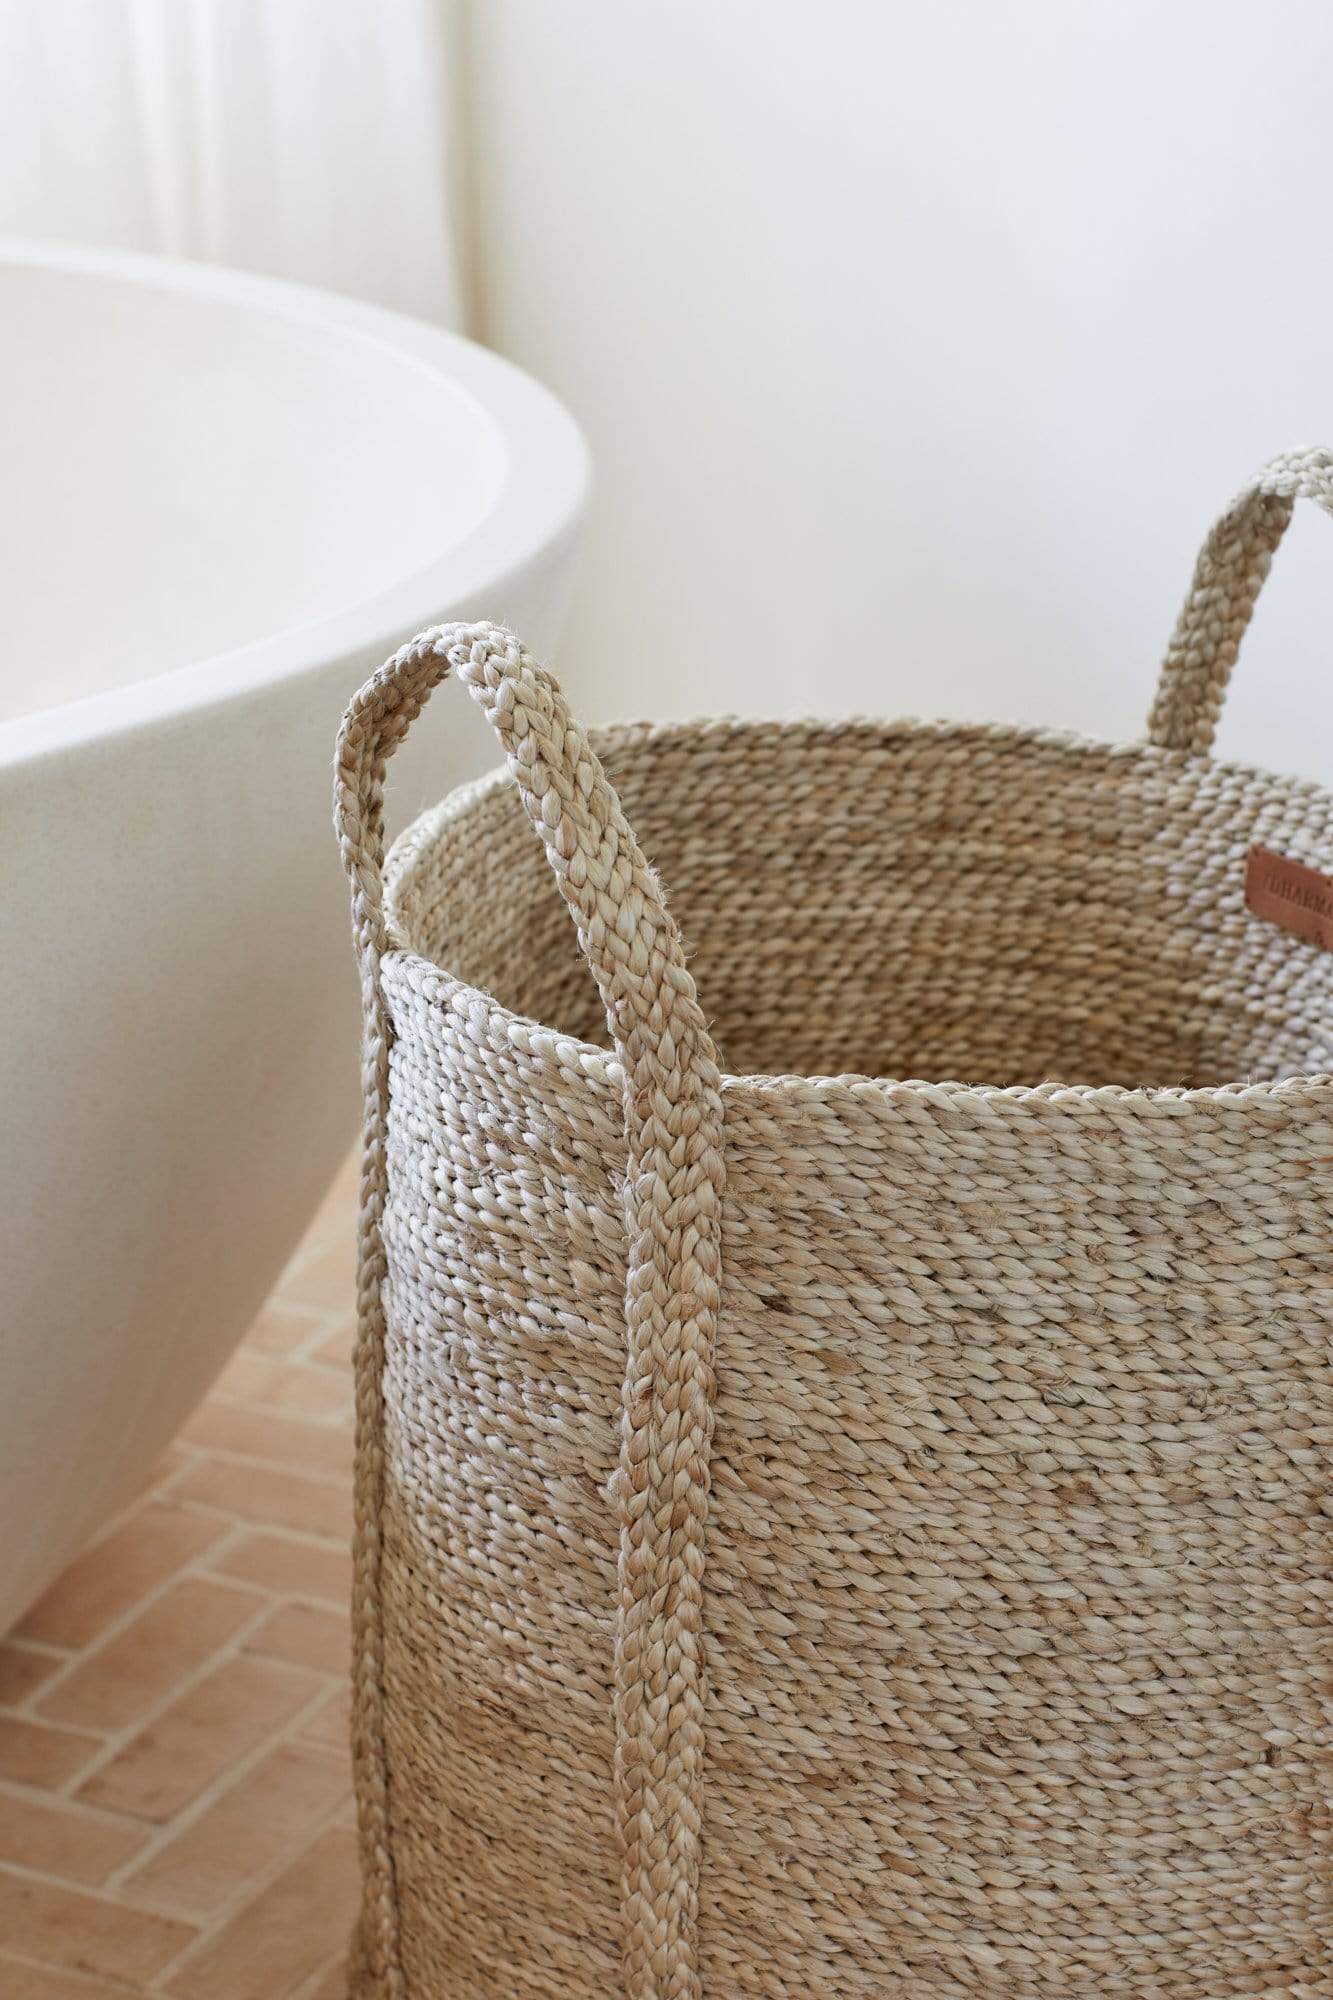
column 539, row 502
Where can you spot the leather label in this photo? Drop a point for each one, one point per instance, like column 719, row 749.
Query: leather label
column 1288, row 893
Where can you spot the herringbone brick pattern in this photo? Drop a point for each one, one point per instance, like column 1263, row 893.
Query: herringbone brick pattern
column 175, row 1808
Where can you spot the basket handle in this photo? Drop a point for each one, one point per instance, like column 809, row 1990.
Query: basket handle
column 1228, row 577
column 673, row 1189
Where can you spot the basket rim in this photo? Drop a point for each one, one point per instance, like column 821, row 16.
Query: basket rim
column 436, row 984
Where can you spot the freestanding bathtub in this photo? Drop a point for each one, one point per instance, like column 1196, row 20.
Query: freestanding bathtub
column 222, row 500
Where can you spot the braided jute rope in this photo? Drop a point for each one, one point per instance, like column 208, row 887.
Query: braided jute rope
column 673, row 1119
column 1230, row 573
column 899, row 1568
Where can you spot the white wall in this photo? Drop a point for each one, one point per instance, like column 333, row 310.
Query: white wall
column 314, row 139
column 918, row 344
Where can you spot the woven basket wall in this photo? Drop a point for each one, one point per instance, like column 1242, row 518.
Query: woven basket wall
column 821, row 1535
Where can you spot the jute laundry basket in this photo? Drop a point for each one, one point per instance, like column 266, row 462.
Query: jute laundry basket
column 820, row 1535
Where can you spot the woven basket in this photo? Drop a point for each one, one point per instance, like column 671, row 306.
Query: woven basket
column 820, row 1535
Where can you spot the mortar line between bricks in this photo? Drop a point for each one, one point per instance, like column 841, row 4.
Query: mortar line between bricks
column 300, row 1328
column 106, row 1637
column 328, row 1320
column 306, row 1536
column 309, row 1253
column 190, row 1455
column 93, row 1892
column 254, row 1886
column 307, row 1600
column 96, row 1982
column 318, row 1976
column 164, row 1834
column 317, row 1544
column 148, row 1496
column 46, row 1647
column 185, row 1685
column 102, row 1534
column 292, row 1309
column 257, row 1524
column 25, row 1710
column 36, row 1795
column 331, row 1420
column 268, row 1464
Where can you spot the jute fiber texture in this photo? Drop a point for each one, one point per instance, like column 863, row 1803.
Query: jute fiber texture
column 820, row 1534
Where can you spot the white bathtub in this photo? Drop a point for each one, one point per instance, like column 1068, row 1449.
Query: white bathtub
column 222, row 500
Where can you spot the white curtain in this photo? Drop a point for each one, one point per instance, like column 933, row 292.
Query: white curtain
column 315, row 139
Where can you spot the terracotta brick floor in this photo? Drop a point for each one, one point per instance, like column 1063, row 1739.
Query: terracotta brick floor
column 175, row 1813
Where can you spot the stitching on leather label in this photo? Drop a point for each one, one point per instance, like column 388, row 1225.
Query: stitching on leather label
column 1286, row 892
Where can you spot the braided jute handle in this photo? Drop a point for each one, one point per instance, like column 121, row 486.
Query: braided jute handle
column 673, row 1192
column 1228, row 577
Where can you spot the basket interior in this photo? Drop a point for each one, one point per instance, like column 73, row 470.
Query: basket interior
column 911, row 901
